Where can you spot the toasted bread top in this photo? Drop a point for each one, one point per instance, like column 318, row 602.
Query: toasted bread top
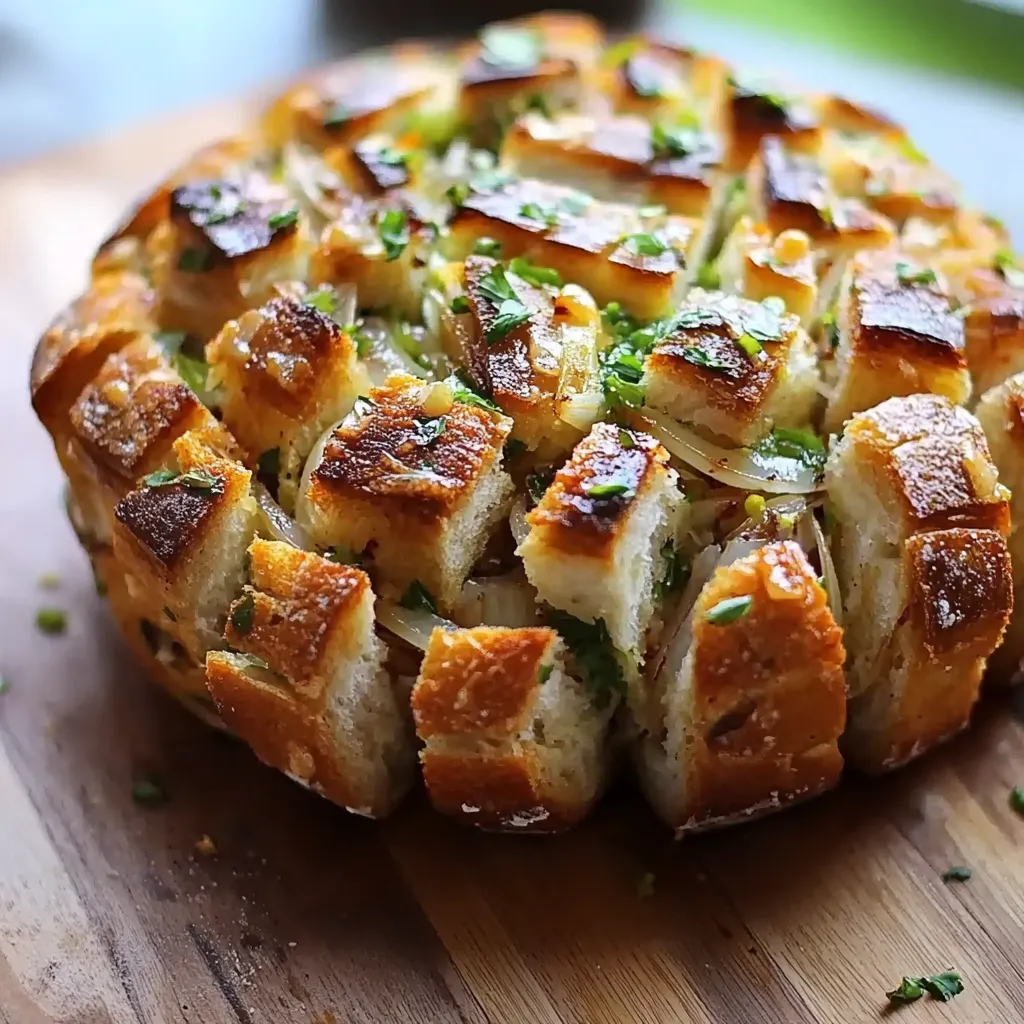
column 482, row 680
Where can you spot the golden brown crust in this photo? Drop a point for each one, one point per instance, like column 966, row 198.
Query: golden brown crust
column 959, row 601
column 391, row 453
column 757, row 109
column 769, row 696
column 116, row 308
column 735, row 383
column 298, row 613
column 935, row 459
column 481, row 681
column 576, row 516
column 994, row 329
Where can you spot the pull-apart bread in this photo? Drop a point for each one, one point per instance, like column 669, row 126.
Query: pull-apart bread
column 549, row 406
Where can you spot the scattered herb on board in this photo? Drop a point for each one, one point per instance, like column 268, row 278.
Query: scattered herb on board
column 51, row 621
column 729, row 610
column 942, row 986
column 956, row 874
column 1017, row 799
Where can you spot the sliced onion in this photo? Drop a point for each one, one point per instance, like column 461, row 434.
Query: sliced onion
column 678, row 632
column 828, row 570
column 386, row 356
column 582, row 410
column 732, row 466
column 303, row 171
column 413, row 625
column 345, row 312
column 517, row 520
column 506, row 600
column 277, row 524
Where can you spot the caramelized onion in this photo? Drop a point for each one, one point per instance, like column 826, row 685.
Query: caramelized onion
column 506, row 600
column 277, row 524
column 413, row 625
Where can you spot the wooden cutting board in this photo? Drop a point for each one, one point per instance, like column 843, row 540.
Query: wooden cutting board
column 109, row 913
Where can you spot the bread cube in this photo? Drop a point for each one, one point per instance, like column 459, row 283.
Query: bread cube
column 511, row 740
column 531, row 63
column 181, row 537
column 621, row 159
column 309, row 692
column 898, row 335
column 700, row 373
column 116, row 308
column 758, row 265
column 341, row 103
column 287, row 372
column 543, row 373
column 659, row 81
column 911, row 467
column 596, row 543
column 954, row 599
column 757, row 107
column 752, row 718
column 224, row 248
column 1001, row 414
column 377, row 246
column 412, row 478
column 617, row 252
column 849, row 118
column 124, row 424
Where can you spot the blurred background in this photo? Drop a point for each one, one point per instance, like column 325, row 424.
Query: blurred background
column 950, row 69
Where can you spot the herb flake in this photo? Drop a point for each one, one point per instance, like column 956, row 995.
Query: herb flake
column 243, row 614
column 393, row 231
column 608, row 490
column 532, row 274
column 909, row 274
column 418, row 598
column 729, row 610
column 956, row 874
column 594, row 655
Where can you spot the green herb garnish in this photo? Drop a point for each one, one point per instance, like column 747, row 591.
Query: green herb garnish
column 283, row 220
column 537, row 485
column 609, row 490
column 705, row 360
column 342, row 554
column 457, row 194
column 956, row 874
column 1017, row 799
column 487, row 247
column 495, row 287
column 532, row 274
column 644, row 244
column 802, row 446
column 622, row 370
column 545, row 214
column 626, row 439
column 464, row 392
column 193, row 370
column 545, row 673
column 594, row 654
column 393, row 230
column 942, row 986
column 729, row 610
column 243, row 614
column 674, row 142
column 195, row 479
column 324, row 299
column 677, row 571
column 418, row 598
column 908, row 274
column 5, row 684
column 708, row 277
column 750, row 345
column 51, row 621
column 1006, row 263
column 830, row 329
column 459, row 305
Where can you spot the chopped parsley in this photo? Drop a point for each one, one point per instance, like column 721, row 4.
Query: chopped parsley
column 393, row 230
column 457, row 194
column 537, row 485
column 729, row 610
column 750, row 345
column 244, row 613
column 708, row 277
column 545, row 673
column 622, row 370
column 942, row 986
column 418, row 598
column 193, row 370
column 626, row 439
column 495, row 287
column 830, row 329
column 487, row 247
column 196, row 480
column 463, row 391
column 545, row 214
column 1017, row 799
column 705, row 360
column 609, row 490
column 594, row 654
column 391, row 157
column 510, row 47
column 284, row 220
column 459, row 305
column 1006, row 263
column 148, row 790
column 51, row 621
column 677, row 571
column 673, row 142
column 429, row 430
column 956, row 874
column 764, row 323
column 195, row 261
column 324, row 299
column 802, row 446
column 908, row 274
column 643, row 244
column 535, row 275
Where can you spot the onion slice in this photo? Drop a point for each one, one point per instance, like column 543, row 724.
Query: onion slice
column 413, row 625
column 828, row 571
column 517, row 520
column 732, row 466
column 277, row 524
column 506, row 600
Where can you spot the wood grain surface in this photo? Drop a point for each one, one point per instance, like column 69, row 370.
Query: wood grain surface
column 109, row 913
